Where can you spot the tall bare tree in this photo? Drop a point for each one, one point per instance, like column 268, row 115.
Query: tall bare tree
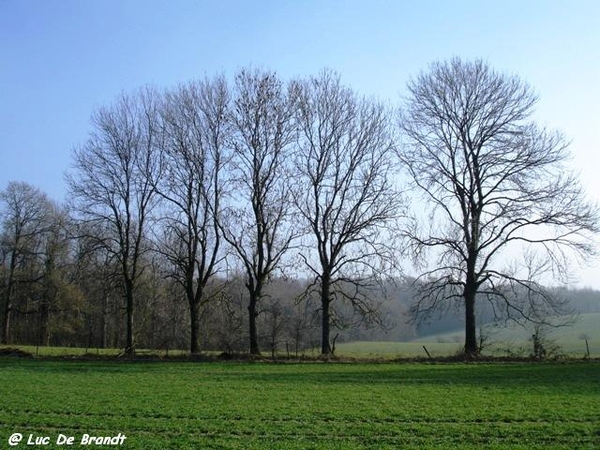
column 111, row 185
column 196, row 126
column 347, row 194
column 25, row 218
column 496, row 184
column 257, row 223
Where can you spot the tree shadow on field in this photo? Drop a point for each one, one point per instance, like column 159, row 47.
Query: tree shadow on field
column 555, row 375
column 76, row 366
column 503, row 375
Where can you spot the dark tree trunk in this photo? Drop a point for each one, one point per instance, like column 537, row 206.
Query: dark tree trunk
column 252, row 315
column 8, row 305
column 7, row 315
column 129, row 345
column 44, row 336
column 194, row 326
column 104, row 322
column 325, row 303
column 471, row 347
column 470, row 294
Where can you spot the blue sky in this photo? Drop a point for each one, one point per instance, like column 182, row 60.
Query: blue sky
column 61, row 59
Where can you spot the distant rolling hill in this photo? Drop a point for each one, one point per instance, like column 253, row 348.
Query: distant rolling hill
column 509, row 339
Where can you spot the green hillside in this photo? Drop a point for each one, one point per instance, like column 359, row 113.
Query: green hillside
column 510, row 339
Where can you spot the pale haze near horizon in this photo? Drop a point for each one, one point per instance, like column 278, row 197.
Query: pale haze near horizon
column 62, row 59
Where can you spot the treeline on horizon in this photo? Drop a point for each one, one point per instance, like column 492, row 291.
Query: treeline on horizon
column 264, row 215
column 79, row 304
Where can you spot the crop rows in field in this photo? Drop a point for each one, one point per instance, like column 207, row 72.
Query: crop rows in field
column 325, row 432
column 307, row 405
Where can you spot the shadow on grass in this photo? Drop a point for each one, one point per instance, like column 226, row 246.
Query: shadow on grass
column 566, row 375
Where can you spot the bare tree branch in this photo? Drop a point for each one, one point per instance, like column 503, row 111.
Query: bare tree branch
column 195, row 129
column 111, row 184
column 496, row 184
column 345, row 192
column 257, row 220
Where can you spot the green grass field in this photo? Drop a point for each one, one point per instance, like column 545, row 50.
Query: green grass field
column 178, row 405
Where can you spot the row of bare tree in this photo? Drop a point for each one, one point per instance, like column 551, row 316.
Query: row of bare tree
column 196, row 191
column 63, row 287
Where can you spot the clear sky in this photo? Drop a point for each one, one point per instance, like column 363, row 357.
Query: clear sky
column 61, row 59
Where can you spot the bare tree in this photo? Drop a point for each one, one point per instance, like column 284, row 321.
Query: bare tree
column 58, row 299
column 96, row 273
column 497, row 184
column 195, row 129
column 111, row 185
column 346, row 193
column 257, row 222
column 25, row 219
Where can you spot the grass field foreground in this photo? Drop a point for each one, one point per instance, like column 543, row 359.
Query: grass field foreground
column 303, row 406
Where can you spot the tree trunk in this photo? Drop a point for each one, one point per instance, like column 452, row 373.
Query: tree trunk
column 129, row 349
column 104, row 322
column 325, row 301
column 252, row 315
column 194, row 326
column 6, row 329
column 8, row 305
column 471, row 347
column 7, row 312
column 44, row 335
